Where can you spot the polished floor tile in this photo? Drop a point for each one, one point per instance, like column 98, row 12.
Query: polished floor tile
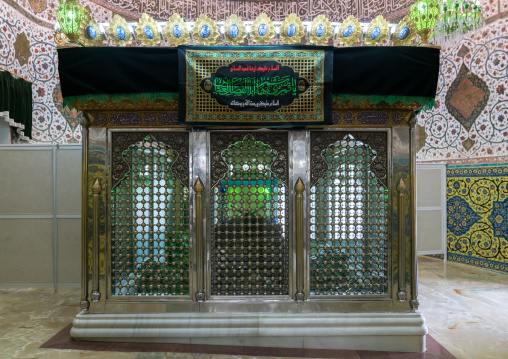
column 464, row 308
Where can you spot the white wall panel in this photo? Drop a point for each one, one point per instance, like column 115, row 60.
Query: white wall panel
column 68, row 179
column 69, row 250
column 40, row 242
column 431, row 209
column 26, row 180
column 26, row 253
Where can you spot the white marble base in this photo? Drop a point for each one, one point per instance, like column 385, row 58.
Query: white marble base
column 365, row 331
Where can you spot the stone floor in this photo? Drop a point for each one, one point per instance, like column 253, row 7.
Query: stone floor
column 465, row 309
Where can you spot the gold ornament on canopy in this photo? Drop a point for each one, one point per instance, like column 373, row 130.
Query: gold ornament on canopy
column 60, row 38
column 90, row 33
column 292, row 30
column 176, row 31
column 205, row 31
column 118, row 31
column 377, row 32
column 262, row 30
column 405, row 32
column 234, row 29
column 320, row 30
column 350, row 31
column 147, row 30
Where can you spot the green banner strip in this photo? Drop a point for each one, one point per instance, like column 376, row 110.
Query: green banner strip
column 117, row 98
column 426, row 102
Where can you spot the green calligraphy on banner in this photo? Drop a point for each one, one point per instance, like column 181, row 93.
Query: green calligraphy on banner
column 255, row 85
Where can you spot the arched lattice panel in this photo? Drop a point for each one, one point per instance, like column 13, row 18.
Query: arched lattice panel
column 249, row 211
column 348, row 248
column 150, row 222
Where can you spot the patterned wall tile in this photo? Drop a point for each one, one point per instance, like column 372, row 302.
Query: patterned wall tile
column 504, row 6
column 477, row 215
column 470, row 119
column 490, row 7
column 28, row 50
column 43, row 10
column 443, row 136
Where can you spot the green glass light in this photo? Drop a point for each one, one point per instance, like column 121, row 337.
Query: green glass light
column 69, row 15
column 425, row 14
column 458, row 18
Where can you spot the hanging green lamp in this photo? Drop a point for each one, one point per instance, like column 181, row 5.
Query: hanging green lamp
column 425, row 14
column 69, row 15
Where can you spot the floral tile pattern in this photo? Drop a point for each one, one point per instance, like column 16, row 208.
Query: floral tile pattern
column 470, row 120
column 460, row 216
column 477, row 215
column 467, row 97
column 499, row 218
column 38, row 5
column 28, row 50
column 504, row 6
column 490, row 7
column 442, row 137
column 22, row 49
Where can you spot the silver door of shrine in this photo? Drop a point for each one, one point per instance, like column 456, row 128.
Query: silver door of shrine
column 248, row 220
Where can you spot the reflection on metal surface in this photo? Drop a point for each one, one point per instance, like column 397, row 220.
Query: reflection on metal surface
column 199, row 189
column 401, row 294
column 150, row 221
column 414, row 272
column 97, row 169
column 249, row 244
column 376, row 140
column 348, row 219
column 278, row 141
column 401, row 170
column 84, row 303
column 198, row 167
column 241, row 251
column 96, row 190
column 299, row 188
column 178, row 141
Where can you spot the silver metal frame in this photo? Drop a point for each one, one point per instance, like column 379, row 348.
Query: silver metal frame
column 400, row 151
column 414, row 255
column 198, row 163
column 199, row 166
column 299, row 160
column 353, row 298
column 244, row 298
column 192, row 248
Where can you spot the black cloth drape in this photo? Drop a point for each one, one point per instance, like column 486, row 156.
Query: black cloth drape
column 16, row 99
column 382, row 71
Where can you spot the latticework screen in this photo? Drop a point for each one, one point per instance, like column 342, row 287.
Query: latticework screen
column 249, row 238
column 150, row 225
column 348, row 224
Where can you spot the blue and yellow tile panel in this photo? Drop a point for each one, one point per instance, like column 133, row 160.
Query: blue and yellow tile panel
column 477, row 215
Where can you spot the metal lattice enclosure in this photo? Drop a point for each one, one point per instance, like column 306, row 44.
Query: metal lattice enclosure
column 150, row 224
column 249, row 223
column 348, row 250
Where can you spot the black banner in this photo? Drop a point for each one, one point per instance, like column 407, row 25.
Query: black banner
column 255, row 85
